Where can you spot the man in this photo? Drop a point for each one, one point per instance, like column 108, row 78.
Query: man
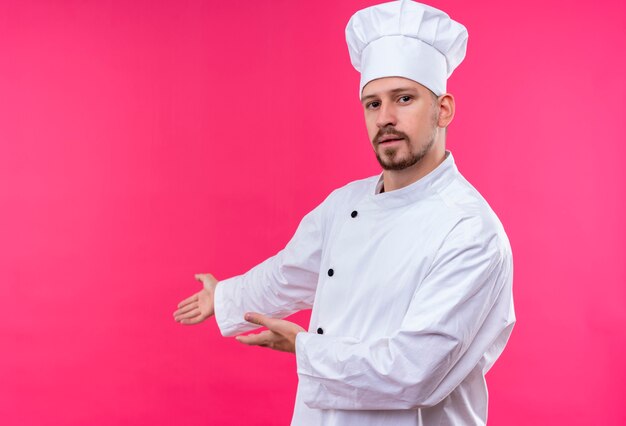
column 408, row 274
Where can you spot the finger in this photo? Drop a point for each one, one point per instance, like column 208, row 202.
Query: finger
column 188, row 300
column 186, row 308
column 188, row 315
column 260, row 339
column 192, row 321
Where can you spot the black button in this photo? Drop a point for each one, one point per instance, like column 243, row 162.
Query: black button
column 320, row 330
column 354, row 213
column 331, row 272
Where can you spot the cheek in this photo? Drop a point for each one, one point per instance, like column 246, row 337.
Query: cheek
column 372, row 129
column 418, row 123
column 371, row 133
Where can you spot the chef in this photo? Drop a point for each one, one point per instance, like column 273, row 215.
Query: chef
column 408, row 274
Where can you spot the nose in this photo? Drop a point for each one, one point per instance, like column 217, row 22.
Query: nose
column 386, row 116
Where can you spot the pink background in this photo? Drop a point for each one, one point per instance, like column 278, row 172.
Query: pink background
column 144, row 141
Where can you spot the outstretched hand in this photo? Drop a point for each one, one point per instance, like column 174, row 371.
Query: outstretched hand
column 197, row 308
column 280, row 335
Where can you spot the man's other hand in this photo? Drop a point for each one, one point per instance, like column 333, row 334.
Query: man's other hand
column 197, row 308
column 280, row 335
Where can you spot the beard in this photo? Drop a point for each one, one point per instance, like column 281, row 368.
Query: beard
column 390, row 159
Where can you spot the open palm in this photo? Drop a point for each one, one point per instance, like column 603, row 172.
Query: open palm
column 198, row 307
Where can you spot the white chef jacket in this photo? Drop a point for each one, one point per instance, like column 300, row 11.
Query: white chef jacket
column 411, row 297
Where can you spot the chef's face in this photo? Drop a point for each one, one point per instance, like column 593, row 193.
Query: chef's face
column 402, row 118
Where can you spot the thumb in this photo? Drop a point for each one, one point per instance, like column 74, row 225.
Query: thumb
column 207, row 280
column 275, row 325
column 256, row 318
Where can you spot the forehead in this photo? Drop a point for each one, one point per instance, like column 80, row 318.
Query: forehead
column 385, row 85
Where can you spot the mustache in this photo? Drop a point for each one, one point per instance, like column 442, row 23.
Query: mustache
column 389, row 131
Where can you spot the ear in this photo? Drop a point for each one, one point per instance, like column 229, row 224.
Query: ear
column 446, row 107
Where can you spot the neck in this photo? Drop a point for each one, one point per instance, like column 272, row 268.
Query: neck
column 396, row 179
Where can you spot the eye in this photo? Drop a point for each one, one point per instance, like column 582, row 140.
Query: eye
column 372, row 105
column 404, row 99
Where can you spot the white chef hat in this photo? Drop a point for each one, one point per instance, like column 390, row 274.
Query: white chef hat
column 405, row 39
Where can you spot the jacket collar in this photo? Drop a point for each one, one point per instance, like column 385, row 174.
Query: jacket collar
column 434, row 181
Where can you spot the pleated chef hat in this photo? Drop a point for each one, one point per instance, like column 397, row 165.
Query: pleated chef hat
column 405, row 39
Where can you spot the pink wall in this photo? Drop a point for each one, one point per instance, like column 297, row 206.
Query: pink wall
column 144, row 141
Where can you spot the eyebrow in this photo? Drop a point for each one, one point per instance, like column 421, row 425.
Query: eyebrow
column 392, row 92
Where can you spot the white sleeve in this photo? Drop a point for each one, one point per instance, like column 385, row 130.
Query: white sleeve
column 279, row 286
column 459, row 313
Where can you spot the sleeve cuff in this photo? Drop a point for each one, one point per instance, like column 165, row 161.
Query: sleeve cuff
column 302, row 360
column 221, row 309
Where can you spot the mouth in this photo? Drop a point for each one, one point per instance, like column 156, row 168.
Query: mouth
column 389, row 139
